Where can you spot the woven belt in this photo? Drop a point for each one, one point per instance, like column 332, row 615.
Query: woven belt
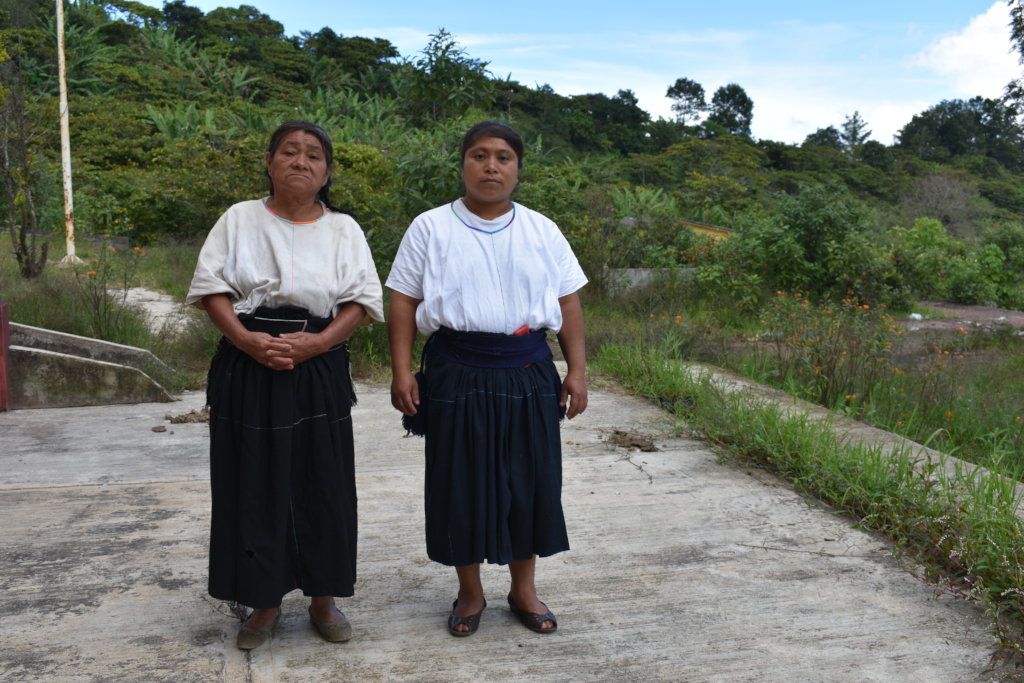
column 275, row 327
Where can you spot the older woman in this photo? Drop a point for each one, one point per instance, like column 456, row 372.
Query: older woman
column 487, row 278
column 287, row 279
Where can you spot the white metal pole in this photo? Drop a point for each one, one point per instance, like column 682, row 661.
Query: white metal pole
column 65, row 141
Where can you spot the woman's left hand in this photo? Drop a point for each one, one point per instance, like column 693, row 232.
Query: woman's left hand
column 304, row 345
column 574, row 392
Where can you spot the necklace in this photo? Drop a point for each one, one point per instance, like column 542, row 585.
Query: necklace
column 288, row 220
column 486, row 232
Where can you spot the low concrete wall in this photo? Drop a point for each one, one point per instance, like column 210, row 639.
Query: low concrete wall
column 624, row 279
column 50, row 369
column 44, row 379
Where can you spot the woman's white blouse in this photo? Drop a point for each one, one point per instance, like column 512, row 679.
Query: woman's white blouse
column 258, row 259
column 485, row 280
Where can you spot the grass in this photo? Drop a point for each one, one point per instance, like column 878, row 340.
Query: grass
column 962, row 392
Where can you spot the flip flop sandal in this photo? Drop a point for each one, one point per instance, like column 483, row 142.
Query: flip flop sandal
column 472, row 621
column 532, row 620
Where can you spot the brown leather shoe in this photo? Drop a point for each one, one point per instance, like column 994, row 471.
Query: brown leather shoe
column 250, row 638
column 331, row 631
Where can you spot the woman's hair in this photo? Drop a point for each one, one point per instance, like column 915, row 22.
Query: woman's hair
column 320, row 134
column 493, row 129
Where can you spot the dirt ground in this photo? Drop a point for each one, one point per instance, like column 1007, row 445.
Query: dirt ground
column 950, row 316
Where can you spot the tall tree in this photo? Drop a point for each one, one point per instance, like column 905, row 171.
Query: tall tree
column 19, row 165
column 825, row 137
column 732, row 109
column 445, row 81
column 1015, row 90
column 855, row 133
column 688, row 96
column 184, row 20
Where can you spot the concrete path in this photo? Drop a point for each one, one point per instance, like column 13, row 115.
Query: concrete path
column 682, row 569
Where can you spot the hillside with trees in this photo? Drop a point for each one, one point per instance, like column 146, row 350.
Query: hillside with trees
column 170, row 109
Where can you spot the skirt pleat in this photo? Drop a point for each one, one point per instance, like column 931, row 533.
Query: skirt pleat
column 494, row 463
column 282, row 478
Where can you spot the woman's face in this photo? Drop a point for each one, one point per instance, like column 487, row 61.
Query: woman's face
column 298, row 167
column 490, row 171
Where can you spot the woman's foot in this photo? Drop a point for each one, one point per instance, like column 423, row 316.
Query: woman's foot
column 257, row 628
column 533, row 613
column 332, row 625
column 465, row 615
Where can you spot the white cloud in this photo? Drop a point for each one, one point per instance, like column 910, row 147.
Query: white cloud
column 977, row 60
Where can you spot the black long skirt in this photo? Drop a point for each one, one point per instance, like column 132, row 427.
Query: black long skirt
column 493, row 463
column 282, row 478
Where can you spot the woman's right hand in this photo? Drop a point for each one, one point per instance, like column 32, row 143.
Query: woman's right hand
column 273, row 352
column 405, row 392
column 270, row 351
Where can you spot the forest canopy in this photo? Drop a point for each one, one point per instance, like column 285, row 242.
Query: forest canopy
column 171, row 107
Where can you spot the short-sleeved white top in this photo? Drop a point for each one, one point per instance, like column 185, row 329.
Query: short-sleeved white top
column 259, row 259
column 489, row 279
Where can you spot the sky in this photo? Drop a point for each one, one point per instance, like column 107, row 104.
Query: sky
column 806, row 64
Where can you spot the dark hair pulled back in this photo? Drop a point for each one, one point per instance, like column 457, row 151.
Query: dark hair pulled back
column 289, row 127
column 493, row 129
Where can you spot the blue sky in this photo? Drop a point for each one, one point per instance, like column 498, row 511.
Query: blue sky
column 805, row 64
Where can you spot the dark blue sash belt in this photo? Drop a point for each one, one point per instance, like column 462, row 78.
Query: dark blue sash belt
column 490, row 350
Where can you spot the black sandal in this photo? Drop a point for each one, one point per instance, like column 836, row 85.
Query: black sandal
column 532, row 620
column 472, row 621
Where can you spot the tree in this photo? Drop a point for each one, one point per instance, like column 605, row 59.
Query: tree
column 136, row 13
column 1015, row 90
column 353, row 55
column 18, row 166
column 947, row 195
column 601, row 122
column 958, row 128
column 185, row 21
column 689, row 99
column 825, row 137
column 732, row 109
column 855, row 133
column 445, row 81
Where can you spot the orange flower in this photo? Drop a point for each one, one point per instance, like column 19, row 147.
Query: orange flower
column 91, row 272
column 897, row 371
column 949, row 416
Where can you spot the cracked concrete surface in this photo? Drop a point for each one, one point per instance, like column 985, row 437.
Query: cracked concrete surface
column 682, row 569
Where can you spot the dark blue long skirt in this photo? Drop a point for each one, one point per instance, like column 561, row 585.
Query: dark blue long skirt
column 282, row 478
column 493, row 463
